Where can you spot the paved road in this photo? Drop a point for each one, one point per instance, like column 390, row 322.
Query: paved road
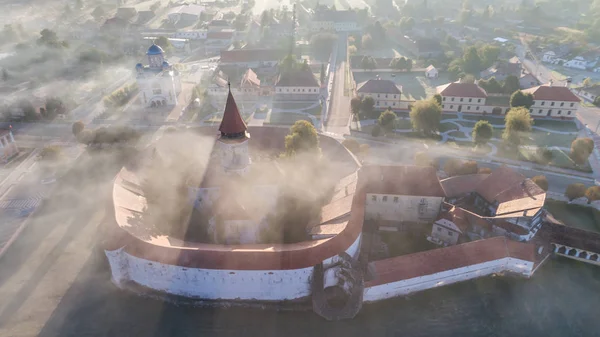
column 339, row 115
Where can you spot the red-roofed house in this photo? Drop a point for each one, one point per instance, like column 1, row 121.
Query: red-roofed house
column 553, row 101
column 385, row 93
column 468, row 98
column 298, row 85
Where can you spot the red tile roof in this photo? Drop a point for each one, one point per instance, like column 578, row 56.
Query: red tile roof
column 456, row 89
column 298, row 78
column 443, row 259
column 552, row 93
column 232, row 122
column 250, row 79
column 401, row 180
column 500, row 179
column 379, row 87
column 460, row 185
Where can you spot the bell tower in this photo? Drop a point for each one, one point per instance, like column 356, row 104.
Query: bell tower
column 233, row 141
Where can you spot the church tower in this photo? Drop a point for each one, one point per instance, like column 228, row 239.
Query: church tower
column 233, row 142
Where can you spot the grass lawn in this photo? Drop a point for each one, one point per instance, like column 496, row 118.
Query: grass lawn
column 286, row 118
column 574, row 215
column 403, row 124
column 556, row 125
column 292, row 106
column 560, row 158
column 447, row 127
column 457, row 134
column 542, row 138
column 449, row 116
column 494, row 120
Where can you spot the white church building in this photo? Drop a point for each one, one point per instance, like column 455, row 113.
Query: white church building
column 159, row 83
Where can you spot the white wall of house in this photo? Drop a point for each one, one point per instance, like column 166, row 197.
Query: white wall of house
column 345, row 26
column 402, row 208
column 409, row 286
column 445, row 231
column 214, row 284
column 433, row 73
column 576, row 63
column 384, row 101
column 322, row 25
column 554, row 109
column 191, row 34
column 297, row 90
column 588, row 96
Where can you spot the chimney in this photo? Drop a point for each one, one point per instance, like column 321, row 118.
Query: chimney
column 551, row 81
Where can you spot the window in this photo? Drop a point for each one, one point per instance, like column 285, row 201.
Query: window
column 530, row 110
column 468, row 107
column 395, row 199
column 470, row 100
column 443, row 99
column 452, row 99
column 395, row 96
column 559, row 112
column 551, row 103
column 287, row 90
column 452, row 107
column 540, row 111
column 543, row 103
column 374, row 198
column 303, row 90
column 377, row 95
column 394, row 103
column 572, row 105
column 549, row 111
column 477, row 108
column 386, row 95
column 562, row 104
column 450, row 233
column 439, row 229
column 479, row 100
column 384, row 198
column 568, row 112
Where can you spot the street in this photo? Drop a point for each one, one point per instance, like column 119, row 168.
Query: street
column 339, row 111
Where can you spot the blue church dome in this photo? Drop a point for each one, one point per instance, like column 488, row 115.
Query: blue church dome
column 138, row 66
column 154, row 50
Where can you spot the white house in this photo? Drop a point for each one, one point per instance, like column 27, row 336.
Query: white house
column 445, row 232
column 298, row 85
column 589, row 93
column 385, row 93
column 553, row 101
column 187, row 12
column 197, row 34
column 576, row 63
column 431, row 72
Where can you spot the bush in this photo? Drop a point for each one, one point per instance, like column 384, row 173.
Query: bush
column 543, row 155
column 581, row 148
column 593, row 193
column 541, row 181
column 575, row 191
column 377, row 131
column 484, row 170
column 457, row 167
column 77, row 127
column 51, row 153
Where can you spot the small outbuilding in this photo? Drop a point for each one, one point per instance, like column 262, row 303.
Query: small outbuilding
column 431, row 72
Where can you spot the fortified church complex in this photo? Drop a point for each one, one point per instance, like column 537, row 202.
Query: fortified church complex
column 473, row 226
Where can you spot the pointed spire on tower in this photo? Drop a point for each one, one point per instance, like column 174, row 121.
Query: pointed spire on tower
column 232, row 125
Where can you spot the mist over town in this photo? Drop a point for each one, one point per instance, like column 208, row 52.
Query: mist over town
column 346, row 167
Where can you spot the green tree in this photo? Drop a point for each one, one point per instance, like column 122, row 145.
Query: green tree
column 368, row 63
column 27, row 109
column 438, row 99
column 581, row 148
column 51, row 153
column 575, row 191
column 518, row 124
column 471, row 61
column 387, row 120
column 77, row 127
column 520, row 99
column 597, row 101
column 54, row 106
column 321, row 45
column 587, row 82
column 425, row 116
column 368, row 106
column 491, row 86
column 355, row 105
column 408, row 65
column 288, row 64
column 164, row 43
column 303, row 138
column 367, row 42
column 482, row 132
column 49, row 38
column 593, row 193
column 489, row 55
column 468, row 78
column 511, row 85
column 541, row 181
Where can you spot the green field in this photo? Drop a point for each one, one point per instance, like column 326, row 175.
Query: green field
column 574, row 215
column 556, row 125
